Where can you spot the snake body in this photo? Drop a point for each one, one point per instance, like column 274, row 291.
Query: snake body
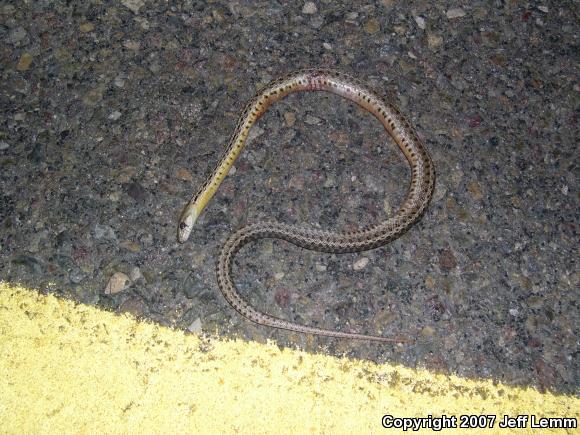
column 415, row 203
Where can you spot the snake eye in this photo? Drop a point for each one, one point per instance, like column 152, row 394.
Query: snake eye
column 182, row 225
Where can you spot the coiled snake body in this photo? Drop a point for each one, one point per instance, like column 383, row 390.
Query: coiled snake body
column 416, row 201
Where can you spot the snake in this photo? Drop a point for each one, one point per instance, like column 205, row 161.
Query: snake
column 418, row 195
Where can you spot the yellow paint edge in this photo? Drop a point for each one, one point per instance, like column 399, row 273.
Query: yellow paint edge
column 69, row 368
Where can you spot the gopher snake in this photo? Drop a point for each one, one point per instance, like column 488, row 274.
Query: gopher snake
column 418, row 196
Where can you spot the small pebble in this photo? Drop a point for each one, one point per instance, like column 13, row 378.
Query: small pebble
column 133, row 5
column 132, row 45
column 115, row 115
column 475, row 120
column 440, row 192
column 195, row 327
column 420, row 21
column 531, row 324
column 290, row 118
column 360, row 264
column 104, row 232
column 330, row 181
column 535, row 302
column 136, row 191
column 317, row 21
column 309, row 8
column 297, row 182
column 134, row 306
column 480, row 12
column 76, row 275
column 447, row 260
column 372, row 26
column 143, row 23
column 130, row 246
column 434, row 41
column 86, row 27
column 17, row 35
column 193, row 287
column 135, row 274
column 184, row 175
column 475, row 190
column 24, row 62
column 282, row 297
column 114, row 196
column 427, row 331
column 155, row 67
column 93, row 97
column 351, row 16
column 4, row 145
column 400, row 30
column 37, row 154
column 117, row 283
column 320, row 267
column 455, row 13
column 312, row 120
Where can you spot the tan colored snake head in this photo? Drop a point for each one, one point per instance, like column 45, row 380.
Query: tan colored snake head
column 186, row 223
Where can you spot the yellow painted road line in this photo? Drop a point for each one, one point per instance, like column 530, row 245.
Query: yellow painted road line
column 69, row 368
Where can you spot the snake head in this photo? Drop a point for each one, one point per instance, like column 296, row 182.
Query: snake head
column 186, row 222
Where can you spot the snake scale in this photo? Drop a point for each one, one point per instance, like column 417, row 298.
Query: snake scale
column 415, row 203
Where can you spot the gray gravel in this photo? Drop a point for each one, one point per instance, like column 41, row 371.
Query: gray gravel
column 114, row 112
